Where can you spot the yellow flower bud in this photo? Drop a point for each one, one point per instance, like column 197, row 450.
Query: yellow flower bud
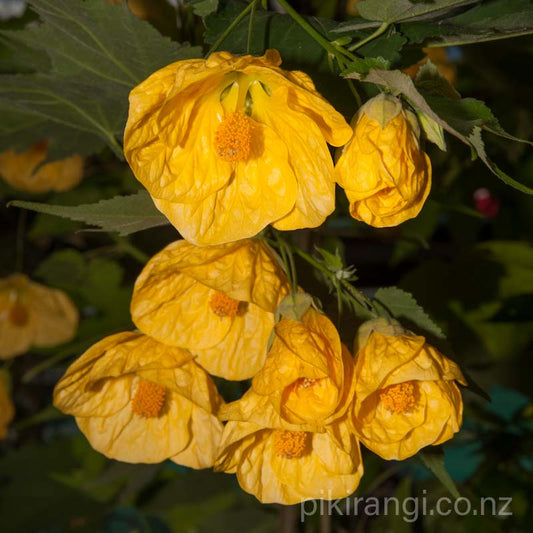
column 385, row 174
column 405, row 392
column 22, row 172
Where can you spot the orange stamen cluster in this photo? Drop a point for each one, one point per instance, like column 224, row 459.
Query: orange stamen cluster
column 149, row 399
column 233, row 137
column 291, row 444
column 399, row 398
column 223, row 305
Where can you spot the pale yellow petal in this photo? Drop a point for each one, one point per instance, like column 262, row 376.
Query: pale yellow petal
column 260, row 191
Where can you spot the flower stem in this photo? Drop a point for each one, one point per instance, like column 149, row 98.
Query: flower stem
column 251, row 27
column 382, row 29
column 232, row 26
column 356, row 296
column 331, row 49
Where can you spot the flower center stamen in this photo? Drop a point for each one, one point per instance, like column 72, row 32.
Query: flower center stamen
column 223, row 305
column 399, row 398
column 233, row 137
column 291, row 444
column 149, row 399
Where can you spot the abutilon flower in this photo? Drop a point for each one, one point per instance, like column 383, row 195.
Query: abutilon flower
column 32, row 314
column 226, row 146
column 307, row 375
column 22, row 171
column 283, row 463
column 139, row 401
column 406, row 397
column 217, row 301
column 7, row 410
column 385, row 174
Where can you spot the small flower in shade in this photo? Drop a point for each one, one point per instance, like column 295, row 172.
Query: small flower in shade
column 282, row 463
column 405, row 391
column 139, row 401
column 486, row 203
column 32, row 314
column 22, row 171
column 217, row 301
column 307, row 375
column 385, row 174
column 7, row 410
column 227, row 145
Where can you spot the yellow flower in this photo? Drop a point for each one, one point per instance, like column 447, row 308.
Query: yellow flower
column 226, row 146
column 218, row 302
column 440, row 59
column 405, row 392
column 282, row 463
column 22, row 171
column 7, row 410
column 385, row 174
column 307, row 375
column 139, row 401
column 33, row 315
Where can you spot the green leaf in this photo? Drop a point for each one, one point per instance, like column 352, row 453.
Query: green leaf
column 463, row 117
column 400, row 10
column 123, row 214
column 98, row 53
column 434, row 461
column 402, row 304
column 387, row 46
column 363, row 66
column 270, row 30
column 202, row 8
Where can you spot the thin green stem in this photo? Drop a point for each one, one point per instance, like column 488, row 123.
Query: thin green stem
column 320, row 39
column 288, row 261
column 382, row 29
column 357, row 296
column 232, row 26
column 251, row 27
column 353, row 90
column 125, row 246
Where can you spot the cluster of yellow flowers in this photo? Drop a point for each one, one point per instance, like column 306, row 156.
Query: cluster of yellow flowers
column 227, row 146
column 146, row 396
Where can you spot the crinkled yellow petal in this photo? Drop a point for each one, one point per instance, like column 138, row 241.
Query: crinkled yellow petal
column 385, row 360
column 129, row 437
column 87, row 388
column 303, row 98
column 178, row 313
column 246, row 270
column 249, row 451
column 385, row 174
column 260, row 191
column 436, row 418
column 309, row 157
column 242, row 352
column 54, row 314
column 304, row 373
column 7, row 410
